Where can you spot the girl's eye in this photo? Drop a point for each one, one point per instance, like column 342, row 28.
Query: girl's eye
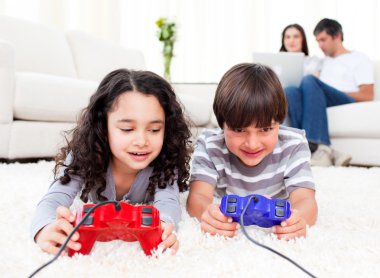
column 126, row 129
column 154, row 130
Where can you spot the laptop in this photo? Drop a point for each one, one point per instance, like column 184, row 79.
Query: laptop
column 287, row 65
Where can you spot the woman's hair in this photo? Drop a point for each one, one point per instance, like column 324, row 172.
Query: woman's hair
column 247, row 94
column 88, row 149
column 305, row 49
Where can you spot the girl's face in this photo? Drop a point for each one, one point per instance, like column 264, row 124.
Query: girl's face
column 251, row 144
column 136, row 127
column 293, row 40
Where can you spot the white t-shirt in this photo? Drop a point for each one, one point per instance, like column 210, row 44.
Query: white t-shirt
column 347, row 71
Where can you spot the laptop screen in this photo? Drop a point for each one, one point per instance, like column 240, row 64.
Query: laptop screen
column 289, row 66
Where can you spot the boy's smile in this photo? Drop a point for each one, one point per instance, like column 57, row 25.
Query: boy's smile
column 251, row 144
column 252, row 154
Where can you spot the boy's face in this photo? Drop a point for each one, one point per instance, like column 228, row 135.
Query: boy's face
column 251, row 144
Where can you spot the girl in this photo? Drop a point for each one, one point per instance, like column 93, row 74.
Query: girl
column 132, row 144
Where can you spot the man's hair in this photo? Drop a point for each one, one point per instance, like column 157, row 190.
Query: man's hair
column 247, row 94
column 331, row 26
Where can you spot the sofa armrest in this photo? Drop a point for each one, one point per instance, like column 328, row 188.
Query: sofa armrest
column 7, row 80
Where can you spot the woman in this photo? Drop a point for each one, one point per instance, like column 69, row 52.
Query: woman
column 294, row 40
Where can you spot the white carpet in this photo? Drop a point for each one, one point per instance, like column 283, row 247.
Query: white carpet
column 345, row 242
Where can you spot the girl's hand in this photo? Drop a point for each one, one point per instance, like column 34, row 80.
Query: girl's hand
column 53, row 235
column 213, row 221
column 169, row 238
column 294, row 226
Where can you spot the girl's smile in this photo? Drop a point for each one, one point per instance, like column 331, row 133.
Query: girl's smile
column 139, row 156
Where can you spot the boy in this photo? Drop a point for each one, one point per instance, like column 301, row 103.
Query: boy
column 251, row 153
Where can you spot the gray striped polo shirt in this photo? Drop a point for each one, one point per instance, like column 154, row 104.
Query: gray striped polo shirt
column 278, row 174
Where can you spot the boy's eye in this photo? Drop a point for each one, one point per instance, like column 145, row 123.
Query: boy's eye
column 238, row 130
column 266, row 129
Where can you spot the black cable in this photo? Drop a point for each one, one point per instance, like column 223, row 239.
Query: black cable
column 264, row 246
column 117, row 207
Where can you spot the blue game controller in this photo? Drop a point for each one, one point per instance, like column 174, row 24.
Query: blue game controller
column 261, row 211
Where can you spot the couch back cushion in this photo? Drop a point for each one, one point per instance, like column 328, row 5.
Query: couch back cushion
column 376, row 67
column 37, row 48
column 197, row 99
column 95, row 58
column 49, row 98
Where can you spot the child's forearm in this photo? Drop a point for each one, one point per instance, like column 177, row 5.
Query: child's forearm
column 197, row 204
column 308, row 209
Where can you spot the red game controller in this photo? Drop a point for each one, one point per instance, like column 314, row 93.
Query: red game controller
column 129, row 223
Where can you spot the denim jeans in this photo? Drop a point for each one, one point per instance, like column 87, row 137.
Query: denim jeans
column 307, row 107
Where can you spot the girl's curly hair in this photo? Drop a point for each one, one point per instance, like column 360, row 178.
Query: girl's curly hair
column 89, row 149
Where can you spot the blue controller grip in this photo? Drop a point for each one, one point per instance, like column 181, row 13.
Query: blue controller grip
column 261, row 211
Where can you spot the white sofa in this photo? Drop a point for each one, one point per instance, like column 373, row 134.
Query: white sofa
column 47, row 77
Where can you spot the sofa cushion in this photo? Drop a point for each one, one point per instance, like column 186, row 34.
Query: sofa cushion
column 42, row 97
column 7, row 64
column 38, row 48
column 355, row 120
column 94, row 57
column 376, row 66
column 197, row 100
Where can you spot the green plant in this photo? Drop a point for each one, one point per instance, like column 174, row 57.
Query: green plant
column 166, row 34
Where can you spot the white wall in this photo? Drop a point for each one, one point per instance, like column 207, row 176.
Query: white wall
column 212, row 35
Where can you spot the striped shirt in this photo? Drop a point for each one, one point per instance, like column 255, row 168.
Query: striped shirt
column 277, row 175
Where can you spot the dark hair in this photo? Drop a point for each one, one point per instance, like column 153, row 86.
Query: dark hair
column 331, row 26
column 249, row 93
column 89, row 146
column 305, row 48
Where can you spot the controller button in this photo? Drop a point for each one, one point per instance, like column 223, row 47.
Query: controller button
column 86, row 209
column 89, row 221
column 231, row 209
column 147, row 220
column 146, row 210
column 280, row 212
column 280, row 203
column 232, row 199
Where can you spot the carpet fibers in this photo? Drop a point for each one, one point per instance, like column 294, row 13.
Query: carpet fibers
column 345, row 241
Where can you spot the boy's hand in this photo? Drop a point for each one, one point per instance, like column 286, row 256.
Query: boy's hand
column 169, row 239
column 294, row 226
column 213, row 221
column 53, row 235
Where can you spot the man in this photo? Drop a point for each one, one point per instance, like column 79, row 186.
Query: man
column 345, row 77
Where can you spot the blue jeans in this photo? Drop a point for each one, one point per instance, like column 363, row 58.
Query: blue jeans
column 307, row 107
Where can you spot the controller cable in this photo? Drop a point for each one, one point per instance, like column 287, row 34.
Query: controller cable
column 117, row 207
column 264, row 246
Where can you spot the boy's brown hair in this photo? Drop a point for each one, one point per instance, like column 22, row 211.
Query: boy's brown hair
column 249, row 93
